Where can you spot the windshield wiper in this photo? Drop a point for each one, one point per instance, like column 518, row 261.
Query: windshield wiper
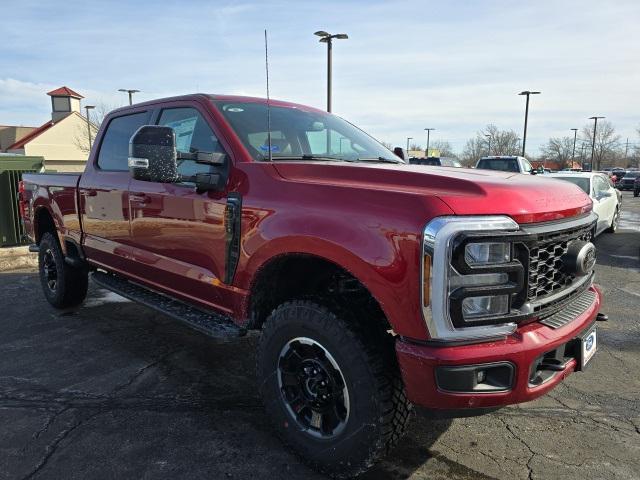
column 307, row 157
column 378, row 159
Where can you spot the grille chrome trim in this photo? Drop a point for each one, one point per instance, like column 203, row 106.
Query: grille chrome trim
column 571, row 311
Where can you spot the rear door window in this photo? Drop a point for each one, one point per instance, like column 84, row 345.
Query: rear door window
column 114, row 149
column 502, row 164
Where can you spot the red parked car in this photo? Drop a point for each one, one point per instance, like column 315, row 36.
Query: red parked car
column 376, row 285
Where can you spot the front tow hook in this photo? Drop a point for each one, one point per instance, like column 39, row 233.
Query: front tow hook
column 553, row 364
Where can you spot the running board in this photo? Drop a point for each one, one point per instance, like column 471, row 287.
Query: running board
column 211, row 324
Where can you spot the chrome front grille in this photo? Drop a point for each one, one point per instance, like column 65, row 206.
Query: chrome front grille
column 547, row 274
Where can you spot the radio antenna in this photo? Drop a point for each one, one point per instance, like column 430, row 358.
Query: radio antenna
column 266, row 65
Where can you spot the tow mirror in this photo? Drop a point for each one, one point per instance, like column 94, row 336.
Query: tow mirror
column 152, row 154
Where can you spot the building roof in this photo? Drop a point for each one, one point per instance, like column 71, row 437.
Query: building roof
column 64, row 92
column 27, row 138
column 40, row 130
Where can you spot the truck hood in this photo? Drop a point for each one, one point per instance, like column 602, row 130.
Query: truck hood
column 525, row 198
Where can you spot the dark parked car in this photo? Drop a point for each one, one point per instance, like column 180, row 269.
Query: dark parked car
column 628, row 181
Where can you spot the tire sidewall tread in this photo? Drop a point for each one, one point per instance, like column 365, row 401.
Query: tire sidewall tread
column 379, row 409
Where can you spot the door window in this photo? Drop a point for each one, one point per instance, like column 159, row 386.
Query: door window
column 193, row 134
column 114, row 149
column 599, row 186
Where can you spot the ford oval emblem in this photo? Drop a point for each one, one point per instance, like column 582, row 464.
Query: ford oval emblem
column 580, row 258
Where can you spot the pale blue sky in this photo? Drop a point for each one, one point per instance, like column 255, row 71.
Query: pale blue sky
column 455, row 66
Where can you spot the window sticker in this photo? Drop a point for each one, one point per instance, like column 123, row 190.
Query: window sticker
column 184, row 132
column 274, row 148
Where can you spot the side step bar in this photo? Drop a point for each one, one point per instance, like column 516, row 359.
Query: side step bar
column 211, row 324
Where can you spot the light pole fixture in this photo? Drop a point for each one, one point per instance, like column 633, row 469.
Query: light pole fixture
column 408, row 138
column 130, row 92
column 428, row 135
column 593, row 144
column 87, row 108
column 327, row 38
column 489, row 144
column 573, row 152
column 526, row 117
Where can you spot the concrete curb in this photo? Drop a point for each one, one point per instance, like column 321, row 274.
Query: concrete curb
column 16, row 258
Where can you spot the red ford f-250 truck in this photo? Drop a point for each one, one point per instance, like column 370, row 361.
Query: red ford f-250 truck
column 376, row 285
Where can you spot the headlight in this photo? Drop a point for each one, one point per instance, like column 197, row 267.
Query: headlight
column 475, row 308
column 487, row 253
column 472, row 277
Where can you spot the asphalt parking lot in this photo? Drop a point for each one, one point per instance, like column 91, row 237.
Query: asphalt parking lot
column 115, row 390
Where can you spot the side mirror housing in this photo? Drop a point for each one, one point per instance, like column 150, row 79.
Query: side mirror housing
column 152, row 154
column 401, row 152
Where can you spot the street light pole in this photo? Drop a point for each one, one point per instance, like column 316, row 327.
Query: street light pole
column 489, row 144
column 526, row 117
column 87, row 108
column 408, row 138
column 428, row 135
column 327, row 38
column 573, row 152
column 130, row 92
column 593, row 144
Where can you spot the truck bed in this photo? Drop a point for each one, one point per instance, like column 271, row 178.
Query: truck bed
column 51, row 179
column 57, row 193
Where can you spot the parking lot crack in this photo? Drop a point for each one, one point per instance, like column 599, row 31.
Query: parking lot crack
column 524, row 444
column 52, row 447
column 52, row 418
column 142, row 370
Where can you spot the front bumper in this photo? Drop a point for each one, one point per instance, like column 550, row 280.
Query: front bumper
column 418, row 363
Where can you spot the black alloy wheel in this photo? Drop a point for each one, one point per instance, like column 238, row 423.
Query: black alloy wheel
column 313, row 388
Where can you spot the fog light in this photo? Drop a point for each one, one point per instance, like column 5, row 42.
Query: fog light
column 478, row 307
column 487, row 377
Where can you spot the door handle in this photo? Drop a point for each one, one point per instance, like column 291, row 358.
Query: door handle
column 91, row 193
column 140, row 198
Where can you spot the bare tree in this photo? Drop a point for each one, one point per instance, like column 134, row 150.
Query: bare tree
column 474, row 149
column 415, row 146
column 607, row 146
column 444, row 147
column 503, row 142
column 81, row 137
column 558, row 150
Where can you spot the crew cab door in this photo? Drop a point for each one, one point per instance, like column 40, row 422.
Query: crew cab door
column 103, row 193
column 177, row 232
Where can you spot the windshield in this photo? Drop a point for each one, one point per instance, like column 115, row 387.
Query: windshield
column 300, row 134
column 582, row 182
column 502, row 164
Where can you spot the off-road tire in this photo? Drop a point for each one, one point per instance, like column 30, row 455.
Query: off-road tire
column 379, row 409
column 71, row 283
column 614, row 221
column 636, row 193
